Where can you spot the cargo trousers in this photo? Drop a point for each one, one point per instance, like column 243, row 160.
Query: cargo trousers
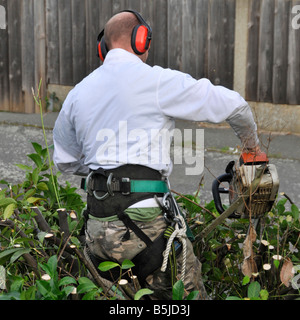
column 105, row 240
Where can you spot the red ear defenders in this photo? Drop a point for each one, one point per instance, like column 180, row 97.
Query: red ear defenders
column 140, row 38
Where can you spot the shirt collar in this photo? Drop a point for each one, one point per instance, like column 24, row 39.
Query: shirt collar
column 118, row 54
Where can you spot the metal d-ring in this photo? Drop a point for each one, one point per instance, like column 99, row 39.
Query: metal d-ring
column 109, row 189
column 87, row 183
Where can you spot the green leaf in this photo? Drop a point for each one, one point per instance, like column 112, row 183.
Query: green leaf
column 33, row 199
column 127, row 264
column 36, row 159
column 29, row 193
column 66, row 280
column 178, row 290
column 24, row 167
column 85, row 285
column 18, row 254
column 45, row 289
column 141, row 293
column 264, row 294
column 9, row 211
column 37, row 147
column 35, row 176
column 107, row 265
column 28, row 294
column 254, row 290
column 6, row 201
column 52, row 263
column 50, row 266
column 91, row 295
column 295, row 211
column 276, row 263
column 4, row 182
column 193, row 295
column 280, row 208
column 246, row 280
column 68, row 290
column 42, row 186
column 8, row 252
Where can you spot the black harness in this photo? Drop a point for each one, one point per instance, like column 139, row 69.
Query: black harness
column 109, row 194
column 109, row 190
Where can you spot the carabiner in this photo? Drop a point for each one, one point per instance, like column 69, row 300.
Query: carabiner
column 109, row 189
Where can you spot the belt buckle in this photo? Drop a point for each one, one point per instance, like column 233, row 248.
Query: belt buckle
column 128, row 191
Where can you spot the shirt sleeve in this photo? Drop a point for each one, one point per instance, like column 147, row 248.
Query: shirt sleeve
column 183, row 97
column 67, row 155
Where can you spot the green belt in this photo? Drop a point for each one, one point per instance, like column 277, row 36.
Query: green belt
column 153, row 186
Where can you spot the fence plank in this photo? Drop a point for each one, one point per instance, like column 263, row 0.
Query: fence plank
column 221, row 39
column 65, row 42
column 293, row 81
column 94, row 24
column 229, row 41
column 79, row 40
column 28, row 55
column 281, row 30
column 265, row 52
column 175, row 34
column 118, row 5
column 52, row 41
column 202, row 38
column 215, row 42
column 252, row 52
column 159, row 44
column 4, row 71
column 147, row 11
column 14, row 8
column 189, row 38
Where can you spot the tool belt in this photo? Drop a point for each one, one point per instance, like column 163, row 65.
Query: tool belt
column 111, row 191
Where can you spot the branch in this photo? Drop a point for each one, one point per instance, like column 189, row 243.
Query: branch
column 193, row 202
column 41, row 221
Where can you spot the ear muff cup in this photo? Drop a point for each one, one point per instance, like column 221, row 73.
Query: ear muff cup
column 102, row 48
column 140, row 39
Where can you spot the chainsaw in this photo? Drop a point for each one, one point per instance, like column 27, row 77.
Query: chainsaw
column 239, row 177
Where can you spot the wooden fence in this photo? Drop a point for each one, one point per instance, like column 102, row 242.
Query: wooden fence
column 273, row 66
column 55, row 40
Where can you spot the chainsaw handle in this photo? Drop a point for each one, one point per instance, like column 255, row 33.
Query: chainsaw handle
column 216, row 190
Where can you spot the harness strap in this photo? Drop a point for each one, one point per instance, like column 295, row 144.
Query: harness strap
column 132, row 226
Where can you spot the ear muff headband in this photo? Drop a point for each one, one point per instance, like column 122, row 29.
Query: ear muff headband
column 140, row 38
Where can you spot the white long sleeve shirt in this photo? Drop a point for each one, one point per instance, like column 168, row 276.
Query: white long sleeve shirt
column 118, row 113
